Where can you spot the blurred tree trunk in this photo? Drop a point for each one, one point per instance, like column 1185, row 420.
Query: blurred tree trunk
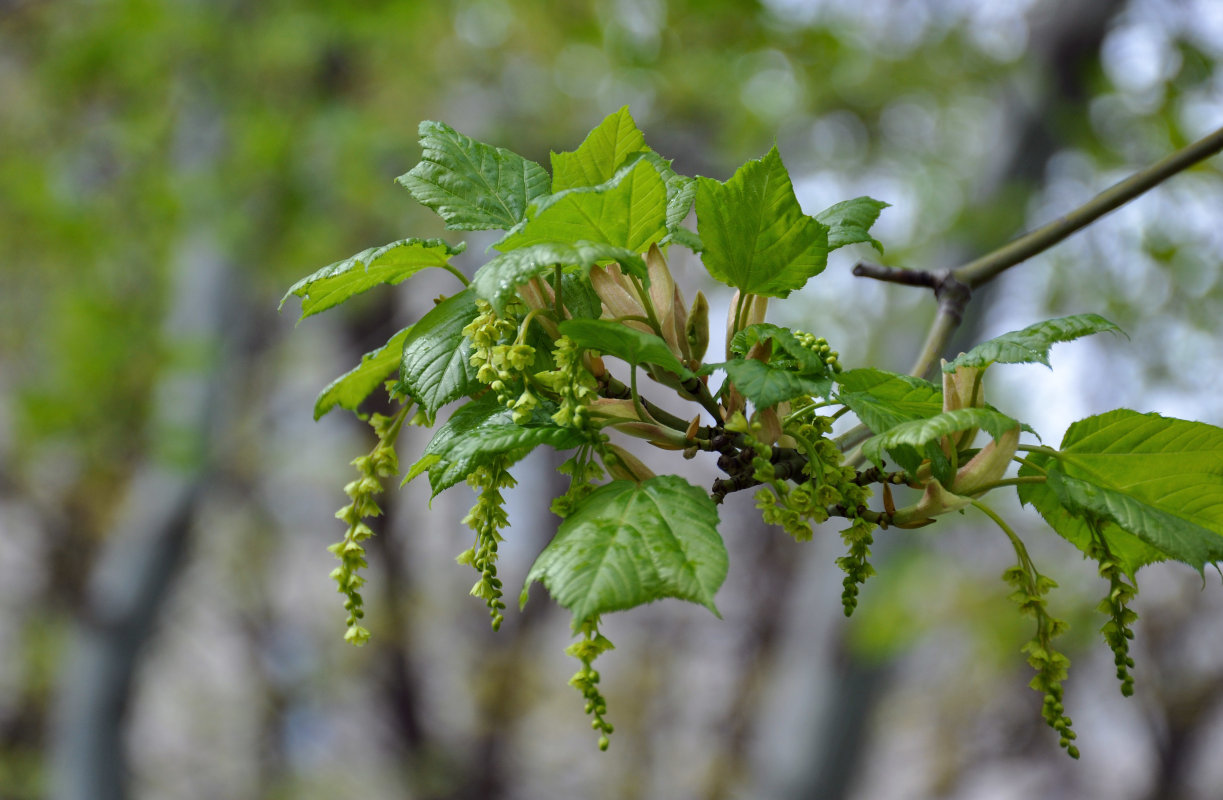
column 148, row 542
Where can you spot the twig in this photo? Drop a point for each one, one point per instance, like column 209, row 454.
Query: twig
column 953, row 288
column 909, row 277
column 989, row 266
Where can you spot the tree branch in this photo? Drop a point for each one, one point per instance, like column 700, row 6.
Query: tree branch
column 989, row 266
column 953, row 288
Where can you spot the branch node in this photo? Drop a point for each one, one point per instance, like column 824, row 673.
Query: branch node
column 952, row 295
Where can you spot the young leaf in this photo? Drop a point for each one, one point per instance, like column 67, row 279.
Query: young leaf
column 917, row 433
column 579, row 295
column 786, row 347
column 497, row 280
column 1032, row 344
column 686, row 238
column 883, row 400
column 1131, row 552
column 767, row 385
column 605, row 150
column 390, row 264
column 350, row 389
column 681, row 191
column 619, row 340
column 628, row 211
column 471, row 185
column 850, row 221
column 481, row 432
column 1158, row 478
column 627, row 544
column 436, row 364
column 755, row 235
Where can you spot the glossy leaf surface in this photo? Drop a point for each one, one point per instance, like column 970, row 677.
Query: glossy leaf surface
column 436, row 358
column 390, row 264
column 472, row 185
column 850, row 221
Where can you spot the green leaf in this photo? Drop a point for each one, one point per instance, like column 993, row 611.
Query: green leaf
column 1131, row 552
column 627, row 544
column 579, row 296
column 628, row 211
column 882, row 400
column 755, row 235
column 605, row 150
column 481, row 433
column 619, row 340
column 436, row 364
column 498, row 279
column 788, row 352
column 767, row 385
column 681, row 192
column 686, row 238
column 471, row 185
column 920, row 432
column 850, row 221
column 1157, row 478
column 350, row 389
column 390, row 264
column 1031, row 344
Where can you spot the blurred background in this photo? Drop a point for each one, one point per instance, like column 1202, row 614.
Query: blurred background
column 167, row 626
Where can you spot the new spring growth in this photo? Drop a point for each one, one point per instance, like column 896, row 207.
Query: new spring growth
column 1117, row 631
column 487, row 518
column 380, row 463
column 586, row 679
column 961, row 389
column 659, row 310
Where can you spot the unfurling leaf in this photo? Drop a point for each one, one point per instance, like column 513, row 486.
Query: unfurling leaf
column 918, row 433
column 1032, row 344
column 497, row 280
column 850, row 221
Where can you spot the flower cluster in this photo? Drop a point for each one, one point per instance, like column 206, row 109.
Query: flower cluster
column 586, row 679
column 501, row 363
column 855, row 563
column 487, row 518
column 1117, row 631
column 380, row 463
column 1052, row 667
column 819, row 345
column 573, row 382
